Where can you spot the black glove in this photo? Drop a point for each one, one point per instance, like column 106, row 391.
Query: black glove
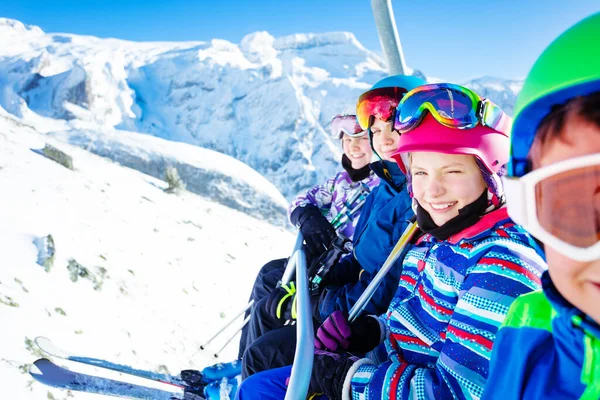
column 337, row 334
column 281, row 303
column 329, row 373
column 316, row 230
column 320, row 269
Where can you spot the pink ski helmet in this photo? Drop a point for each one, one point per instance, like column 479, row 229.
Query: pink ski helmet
column 491, row 147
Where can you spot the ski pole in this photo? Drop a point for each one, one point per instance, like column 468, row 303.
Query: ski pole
column 287, row 275
column 360, row 195
column 232, row 336
column 364, row 298
column 349, row 214
column 231, row 321
column 347, row 205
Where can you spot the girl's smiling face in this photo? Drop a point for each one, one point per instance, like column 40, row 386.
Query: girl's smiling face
column 358, row 150
column 445, row 183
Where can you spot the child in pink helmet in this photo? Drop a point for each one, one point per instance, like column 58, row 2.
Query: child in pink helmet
column 459, row 277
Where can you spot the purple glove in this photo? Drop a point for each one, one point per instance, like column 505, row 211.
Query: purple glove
column 334, row 334
column 337, row 334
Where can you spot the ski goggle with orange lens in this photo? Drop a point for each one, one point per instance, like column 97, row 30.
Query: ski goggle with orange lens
column 560, row 205
column 451, row 105
column 346, row 125
column 379, row 103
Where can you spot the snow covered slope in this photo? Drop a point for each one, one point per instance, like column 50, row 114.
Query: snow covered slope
column 266, row 101
column 139, row 276
column 212, row 175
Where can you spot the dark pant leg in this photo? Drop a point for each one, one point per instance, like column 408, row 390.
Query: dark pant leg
column 261, row 322
column 274, row 349
column 268, row 277
column 266, row 281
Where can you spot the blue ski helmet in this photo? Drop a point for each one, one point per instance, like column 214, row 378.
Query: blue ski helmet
column 383, row 98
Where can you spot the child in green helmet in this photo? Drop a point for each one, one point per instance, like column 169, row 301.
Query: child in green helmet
column 549, row 345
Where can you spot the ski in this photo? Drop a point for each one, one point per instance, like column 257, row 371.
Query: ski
column 51, row 350
column 48, row 373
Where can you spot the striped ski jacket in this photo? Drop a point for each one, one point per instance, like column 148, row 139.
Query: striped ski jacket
column 452, row 298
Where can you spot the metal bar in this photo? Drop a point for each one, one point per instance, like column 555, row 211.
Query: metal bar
column 364, row 298
column 231, row 321
column 303, row 359
column 232, row 336
column 290, row 268
column 388, row 36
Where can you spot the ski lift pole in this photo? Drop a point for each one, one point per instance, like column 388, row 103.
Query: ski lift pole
column 364, row 298
column 388, row 36
column 290, row 268
column 303, row 359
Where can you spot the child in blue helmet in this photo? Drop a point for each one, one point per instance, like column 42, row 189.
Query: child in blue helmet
column 549, row 346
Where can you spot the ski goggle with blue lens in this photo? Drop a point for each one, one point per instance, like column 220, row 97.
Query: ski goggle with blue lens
column 451, row 105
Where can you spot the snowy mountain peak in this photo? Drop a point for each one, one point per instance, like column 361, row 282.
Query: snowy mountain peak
column 310, row 40
column 266, row 101
column 501, row 91
column 259, row 47
column 514, row 86
column 12, row 27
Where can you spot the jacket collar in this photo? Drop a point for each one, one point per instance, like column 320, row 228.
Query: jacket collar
column 567, row 311
column 483, row 226
column 389, row 172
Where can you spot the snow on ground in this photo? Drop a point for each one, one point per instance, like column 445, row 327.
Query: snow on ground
column 164, row 271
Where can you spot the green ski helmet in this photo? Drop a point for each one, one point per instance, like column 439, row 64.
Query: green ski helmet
column 569, row 67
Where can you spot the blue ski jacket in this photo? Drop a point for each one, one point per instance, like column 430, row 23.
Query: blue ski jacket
column 546, row 348
column 384, row 218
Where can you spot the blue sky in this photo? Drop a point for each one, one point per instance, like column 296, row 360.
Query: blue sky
column 454, row 40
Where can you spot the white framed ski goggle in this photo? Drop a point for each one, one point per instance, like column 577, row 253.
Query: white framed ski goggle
column 346, row 125
column 560, row 205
